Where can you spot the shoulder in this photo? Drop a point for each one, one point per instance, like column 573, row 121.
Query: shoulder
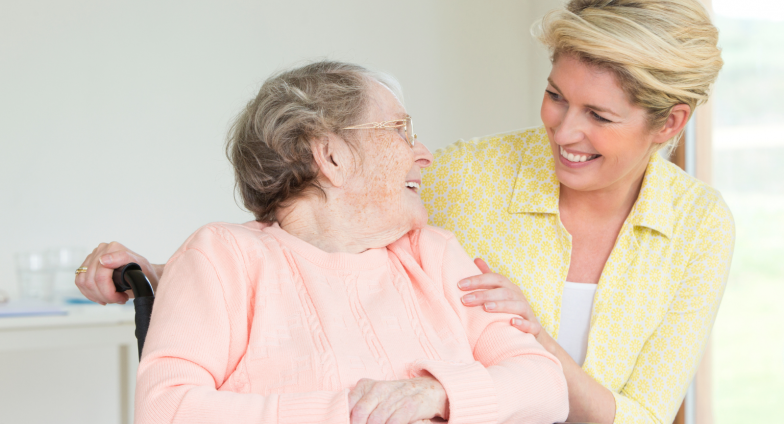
column 685, row 209
column 436, row 244
column 466, row 165
column 434, row 236
column 695, row 200
column 491, row 146
column 427, row 241
column 225, row 242
column 224, row 233
column 434, row 249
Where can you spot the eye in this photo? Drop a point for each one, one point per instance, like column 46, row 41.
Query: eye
column 596, row 117
column 553, row 95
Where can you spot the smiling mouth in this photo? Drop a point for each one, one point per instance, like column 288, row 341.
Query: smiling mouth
column 413, row 186
column 577, row 158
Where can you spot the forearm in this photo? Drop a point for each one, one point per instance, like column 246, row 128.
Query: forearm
column 530, row 388
column 205, row 404
column 589, row 401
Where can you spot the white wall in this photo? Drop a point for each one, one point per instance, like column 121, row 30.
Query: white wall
column 113, row 114
column 113, row 117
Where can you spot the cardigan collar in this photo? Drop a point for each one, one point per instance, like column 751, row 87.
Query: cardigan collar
column 536, row 189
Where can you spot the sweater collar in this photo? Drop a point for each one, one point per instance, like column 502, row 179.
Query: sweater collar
column 369, row 259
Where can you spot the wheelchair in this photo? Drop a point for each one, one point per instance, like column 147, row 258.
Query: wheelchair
column 131, row 277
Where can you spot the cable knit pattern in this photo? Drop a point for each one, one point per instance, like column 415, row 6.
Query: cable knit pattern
column 252, row 325
column 325, row 357
column 367, row 331
column 411, row 314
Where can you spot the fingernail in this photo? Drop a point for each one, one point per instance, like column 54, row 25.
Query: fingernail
column 468, row 298
column 463, row 284
column 517, row 321
column 489, row 306
column 105, row 259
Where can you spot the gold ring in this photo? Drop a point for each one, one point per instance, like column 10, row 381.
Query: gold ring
column 81, row 269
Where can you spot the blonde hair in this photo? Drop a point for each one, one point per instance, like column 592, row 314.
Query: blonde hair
column 269, row 143
column 663, row 52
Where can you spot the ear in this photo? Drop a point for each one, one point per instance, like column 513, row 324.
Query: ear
column 333, row 158
column 676, row 121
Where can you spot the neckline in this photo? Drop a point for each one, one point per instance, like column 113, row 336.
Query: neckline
column 369, row 259
column 580, row 286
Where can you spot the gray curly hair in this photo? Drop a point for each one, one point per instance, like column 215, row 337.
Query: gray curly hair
column 269, row 143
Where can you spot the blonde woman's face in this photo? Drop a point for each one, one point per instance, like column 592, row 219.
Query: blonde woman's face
column 599, row 139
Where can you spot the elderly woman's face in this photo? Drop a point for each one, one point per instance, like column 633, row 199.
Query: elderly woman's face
column 380, row 190
column 599, row 139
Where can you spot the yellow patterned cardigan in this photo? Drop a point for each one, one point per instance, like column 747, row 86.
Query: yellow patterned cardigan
column 659, row 291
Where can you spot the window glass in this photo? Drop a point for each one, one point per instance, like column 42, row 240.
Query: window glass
column 748, row 169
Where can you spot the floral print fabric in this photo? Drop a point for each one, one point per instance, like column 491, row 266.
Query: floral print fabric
column 660, row 288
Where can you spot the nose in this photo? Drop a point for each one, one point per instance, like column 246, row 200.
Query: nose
column 569, row 130
column 422, row 155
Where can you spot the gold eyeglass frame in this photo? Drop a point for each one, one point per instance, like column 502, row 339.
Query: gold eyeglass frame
column 406, row 122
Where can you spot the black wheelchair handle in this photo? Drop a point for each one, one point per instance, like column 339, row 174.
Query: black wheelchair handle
column 131, row 277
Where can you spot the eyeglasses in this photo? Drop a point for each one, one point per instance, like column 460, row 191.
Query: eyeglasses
column 406, row 124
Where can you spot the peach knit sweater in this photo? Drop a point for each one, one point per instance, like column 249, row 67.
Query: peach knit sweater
column 253, row 325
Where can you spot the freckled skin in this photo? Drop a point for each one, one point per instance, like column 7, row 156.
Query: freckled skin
column 372, row 208
column 377, row 193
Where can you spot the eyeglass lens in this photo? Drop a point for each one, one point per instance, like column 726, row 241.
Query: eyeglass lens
column 410, row 131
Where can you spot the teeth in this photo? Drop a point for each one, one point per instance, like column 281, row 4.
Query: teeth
column 575, row 158
column 411, row 184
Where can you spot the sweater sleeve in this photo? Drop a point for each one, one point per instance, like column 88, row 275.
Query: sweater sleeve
column 526, row 381
column 649, row 397
column 199, row 333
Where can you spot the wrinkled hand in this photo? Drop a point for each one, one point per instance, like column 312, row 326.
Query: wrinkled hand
column 96, row 284
column 397, row 402
column 497, row 294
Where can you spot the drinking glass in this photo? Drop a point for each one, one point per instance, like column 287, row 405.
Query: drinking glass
column 34, row 278
column 61, row 264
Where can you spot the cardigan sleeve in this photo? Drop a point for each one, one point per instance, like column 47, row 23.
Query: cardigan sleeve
column 527, row 381
column 679, row 341
column 198, row 333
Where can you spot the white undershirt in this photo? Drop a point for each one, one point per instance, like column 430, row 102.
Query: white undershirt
column 576, row 319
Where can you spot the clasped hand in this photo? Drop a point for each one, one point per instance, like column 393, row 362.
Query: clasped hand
column 397, row 402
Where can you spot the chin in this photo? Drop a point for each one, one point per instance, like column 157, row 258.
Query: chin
column 419, row 218
column 579, row 182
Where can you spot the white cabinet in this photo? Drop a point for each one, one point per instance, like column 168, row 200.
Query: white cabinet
column 74, row 368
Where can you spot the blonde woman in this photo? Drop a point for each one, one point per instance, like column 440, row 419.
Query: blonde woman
column 611, row 256
column 622, row 258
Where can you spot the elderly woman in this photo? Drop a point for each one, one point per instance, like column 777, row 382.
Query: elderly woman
column 612, row 257
column 338, row 303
